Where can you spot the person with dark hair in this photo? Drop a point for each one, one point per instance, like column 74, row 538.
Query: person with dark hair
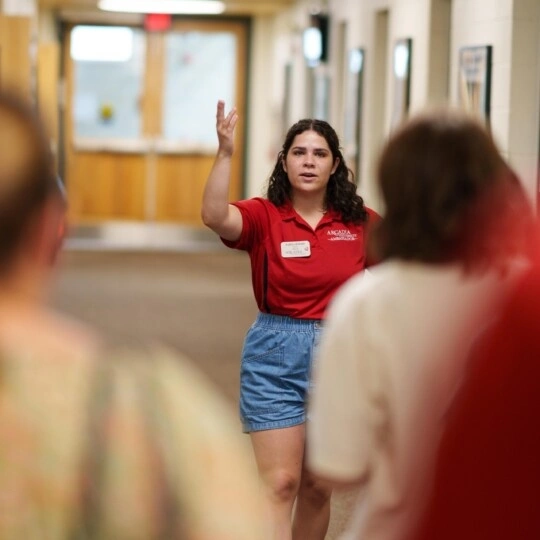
column 394, row 347
column 98, row 443
column 304, row 239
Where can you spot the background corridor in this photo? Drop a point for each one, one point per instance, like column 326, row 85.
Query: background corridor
column 200, row 303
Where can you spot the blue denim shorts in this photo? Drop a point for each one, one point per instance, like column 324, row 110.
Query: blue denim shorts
column 275, row 371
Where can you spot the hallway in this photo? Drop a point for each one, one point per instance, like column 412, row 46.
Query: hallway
column 200, row 303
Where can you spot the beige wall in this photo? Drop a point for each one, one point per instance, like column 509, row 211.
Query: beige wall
column 512, row 27
column 438, row 28
column 523, row 142
column 276, row 41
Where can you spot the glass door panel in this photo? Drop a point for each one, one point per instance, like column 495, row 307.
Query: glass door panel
column 200, row 68
column 108, row 64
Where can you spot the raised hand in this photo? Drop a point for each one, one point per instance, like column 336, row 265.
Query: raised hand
column 225, row 128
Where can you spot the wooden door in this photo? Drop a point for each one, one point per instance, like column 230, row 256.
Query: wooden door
column 159, row 175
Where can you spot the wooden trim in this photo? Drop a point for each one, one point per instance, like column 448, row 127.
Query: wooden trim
column 16, row 66
column 48, row 74
column 152, row 100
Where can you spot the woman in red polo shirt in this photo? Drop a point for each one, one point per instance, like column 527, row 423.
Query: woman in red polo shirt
column 305, row 239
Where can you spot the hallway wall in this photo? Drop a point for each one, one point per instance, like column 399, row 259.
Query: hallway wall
column 438, row 29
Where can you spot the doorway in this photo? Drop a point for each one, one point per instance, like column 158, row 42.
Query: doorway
column 139, row 125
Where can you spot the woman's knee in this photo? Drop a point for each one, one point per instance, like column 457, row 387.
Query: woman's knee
column 315, row 492
column 282, row 485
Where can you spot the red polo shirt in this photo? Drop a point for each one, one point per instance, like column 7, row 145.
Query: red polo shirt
column 296, row 270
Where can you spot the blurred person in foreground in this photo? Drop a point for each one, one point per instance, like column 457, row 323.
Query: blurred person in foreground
column 96, row 443
column 487, row 471
column 394, row 348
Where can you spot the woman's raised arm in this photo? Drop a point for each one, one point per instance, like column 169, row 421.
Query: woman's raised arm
column 217, row 214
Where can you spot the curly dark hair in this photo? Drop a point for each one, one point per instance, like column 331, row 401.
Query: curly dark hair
column 341, row 195
column 449, row 194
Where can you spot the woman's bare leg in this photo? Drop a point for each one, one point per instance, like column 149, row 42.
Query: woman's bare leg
column 279, row 455
column 312, row 512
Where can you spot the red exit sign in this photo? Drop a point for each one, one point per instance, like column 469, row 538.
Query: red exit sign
column 157, row 22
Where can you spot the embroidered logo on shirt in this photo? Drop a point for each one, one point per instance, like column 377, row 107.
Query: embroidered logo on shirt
column 342, row 235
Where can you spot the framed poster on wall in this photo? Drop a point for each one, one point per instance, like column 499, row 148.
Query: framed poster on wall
column 352, row 125
column 474, row 80
column 401, row 64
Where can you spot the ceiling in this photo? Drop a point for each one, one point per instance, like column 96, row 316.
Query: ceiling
column 234, row 7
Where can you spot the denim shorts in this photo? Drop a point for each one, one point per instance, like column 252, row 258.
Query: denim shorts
column 275, row 371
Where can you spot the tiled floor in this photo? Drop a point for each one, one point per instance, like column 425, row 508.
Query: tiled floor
column 198, row 302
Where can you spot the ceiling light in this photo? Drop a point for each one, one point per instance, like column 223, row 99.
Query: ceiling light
column 191, row 7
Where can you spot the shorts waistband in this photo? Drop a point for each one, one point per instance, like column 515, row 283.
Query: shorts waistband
column 283, row 322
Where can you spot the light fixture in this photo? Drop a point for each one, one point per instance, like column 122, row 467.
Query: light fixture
column 356, row 59
column 188, row 7
column 312, row 45
column 401, row 60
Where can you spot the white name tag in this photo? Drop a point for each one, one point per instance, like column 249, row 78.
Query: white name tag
column 301, row 248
